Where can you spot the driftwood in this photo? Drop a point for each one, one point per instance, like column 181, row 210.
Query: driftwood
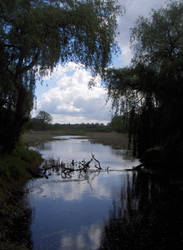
column 65, row 169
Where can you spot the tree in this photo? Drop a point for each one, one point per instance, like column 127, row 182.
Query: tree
column 34, row 37
column 44, row 119
column 151, row 89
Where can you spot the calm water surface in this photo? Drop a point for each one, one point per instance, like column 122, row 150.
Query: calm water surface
column 71, row 213
column 115, row 210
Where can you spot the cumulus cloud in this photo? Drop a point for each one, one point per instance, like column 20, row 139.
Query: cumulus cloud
column 67, row 97
column 134, row 9
column 71, row 101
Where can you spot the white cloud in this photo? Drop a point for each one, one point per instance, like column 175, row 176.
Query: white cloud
column 68, row 99
column 71, row 100
column 134, row 9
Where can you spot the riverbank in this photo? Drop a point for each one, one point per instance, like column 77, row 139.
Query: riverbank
column 116, row 140
column 15, row 170
column 113, row 139
column 19, row 167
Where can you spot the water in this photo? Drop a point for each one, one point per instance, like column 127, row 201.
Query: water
column 70, row 213
column 111, row 210
column 79, row 148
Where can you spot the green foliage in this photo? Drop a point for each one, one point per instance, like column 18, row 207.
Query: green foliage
column 34, row 37
column 119, row 123
column 15, row 166
column 151, row 90
column 35, row 124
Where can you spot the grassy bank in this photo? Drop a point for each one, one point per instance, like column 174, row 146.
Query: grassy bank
column 18, row 165
column 15, row 216
column 114, row 139
column 33, row 138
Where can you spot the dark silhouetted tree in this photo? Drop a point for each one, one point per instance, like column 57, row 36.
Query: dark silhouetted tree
column 151, row 90
column 43, row 118
column 119, row 123
column 34, row 37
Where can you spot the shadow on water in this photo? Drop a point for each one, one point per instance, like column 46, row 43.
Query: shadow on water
column 15, row 220
column 99, row 209
column 149, row 215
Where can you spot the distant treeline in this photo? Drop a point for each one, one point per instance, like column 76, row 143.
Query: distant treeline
column 36, row 124
column 43, row 122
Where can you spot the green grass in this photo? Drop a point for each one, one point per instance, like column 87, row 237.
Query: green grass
column 16, row 164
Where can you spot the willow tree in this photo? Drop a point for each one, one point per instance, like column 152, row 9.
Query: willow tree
column 151, row 90
column 36, row 35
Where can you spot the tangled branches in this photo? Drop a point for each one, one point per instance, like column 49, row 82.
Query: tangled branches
column 65, row 169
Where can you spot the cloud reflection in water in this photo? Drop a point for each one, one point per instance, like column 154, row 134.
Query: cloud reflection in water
column 69, row 213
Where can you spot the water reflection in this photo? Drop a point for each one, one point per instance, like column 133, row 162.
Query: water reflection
column 43, row 147
column 79, row 148
column 99, row 185
column 87, row 238
column 112, row 210
column 69, row 213
column 15, row 220
column 147, row 216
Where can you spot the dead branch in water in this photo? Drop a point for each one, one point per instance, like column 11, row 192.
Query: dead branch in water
column 93, row 157
column 65, row 169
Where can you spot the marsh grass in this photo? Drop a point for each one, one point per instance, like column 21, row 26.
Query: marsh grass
column 116, row 140
column 33, row 137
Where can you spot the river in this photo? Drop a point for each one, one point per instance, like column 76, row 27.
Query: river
column 114, row 208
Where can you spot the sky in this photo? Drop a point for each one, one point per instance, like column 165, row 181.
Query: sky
column 65, row 93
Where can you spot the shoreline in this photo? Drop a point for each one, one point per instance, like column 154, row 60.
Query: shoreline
column 20, row 167
column 15, row 215
column 116, row 140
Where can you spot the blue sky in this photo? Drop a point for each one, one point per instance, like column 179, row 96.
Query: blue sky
column 65, row 94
